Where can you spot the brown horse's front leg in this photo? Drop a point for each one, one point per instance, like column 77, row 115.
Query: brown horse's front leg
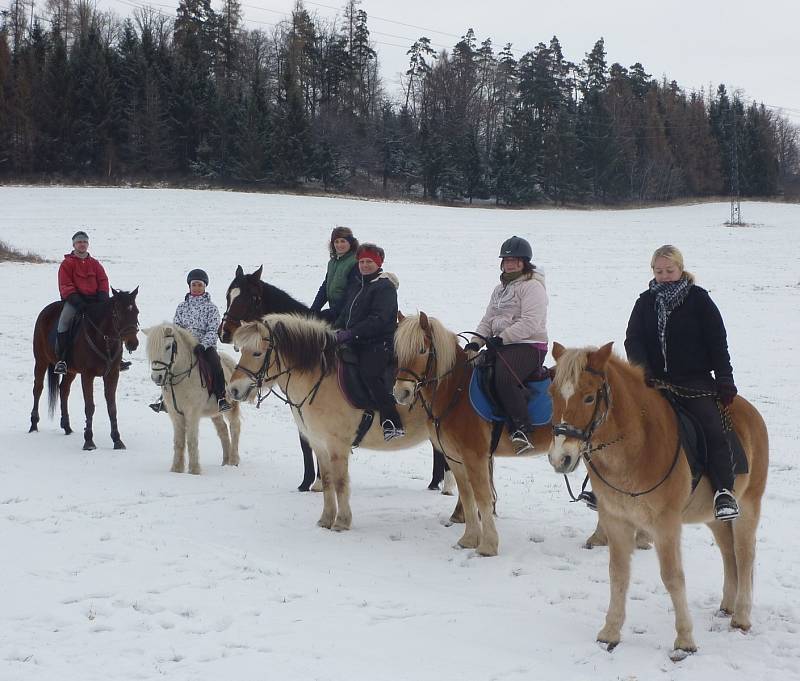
column 87, row 383
column 110, row 389
column 66, row 382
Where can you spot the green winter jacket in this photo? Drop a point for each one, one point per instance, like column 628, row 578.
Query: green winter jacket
column 334, row 288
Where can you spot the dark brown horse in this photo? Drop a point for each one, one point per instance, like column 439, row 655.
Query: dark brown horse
column 96, row 351
column 249, row 299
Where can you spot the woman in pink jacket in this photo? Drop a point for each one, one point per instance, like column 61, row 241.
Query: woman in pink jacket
column 514, row 329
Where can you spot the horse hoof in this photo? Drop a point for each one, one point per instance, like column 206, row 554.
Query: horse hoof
column 434, row 487
column 33, row 428
column 89, row 446
column 194, row 470
column 303, row 487
column 323, row 522
column 67, row 431
column 723, row 613
column 680, row 654
column 119, row 444
column 738, row 624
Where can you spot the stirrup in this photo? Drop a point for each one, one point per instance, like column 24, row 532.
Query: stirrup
column 390, row 431
column 158, row 405
column 725, row 505
column 60, row 367
column 223, row 405
column 519, row 438
column 124, row 365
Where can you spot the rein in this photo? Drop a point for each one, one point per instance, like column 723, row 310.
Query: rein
column 110, row 340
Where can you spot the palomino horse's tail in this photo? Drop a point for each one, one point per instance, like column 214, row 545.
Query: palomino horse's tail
column 52, row 390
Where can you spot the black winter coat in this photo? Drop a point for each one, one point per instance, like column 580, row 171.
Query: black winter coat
column 696, row 339
column 370, row 310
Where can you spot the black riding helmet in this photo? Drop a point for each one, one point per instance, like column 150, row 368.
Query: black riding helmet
column 516, row 247
column 197, row 275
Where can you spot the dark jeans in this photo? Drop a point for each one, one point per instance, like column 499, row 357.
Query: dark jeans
column 218, row 377
column 514, row 365
column 705, row 410
column 376, row 364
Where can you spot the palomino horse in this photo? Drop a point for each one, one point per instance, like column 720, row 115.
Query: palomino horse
column 248, row 300
column 96, row 351
column 174, row 367
column 627, row 434
column 298, row 355
column 435, row 371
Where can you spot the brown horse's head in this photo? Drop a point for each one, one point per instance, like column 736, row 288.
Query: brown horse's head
column 126, row 317
column 581, row 401
column 243, row 302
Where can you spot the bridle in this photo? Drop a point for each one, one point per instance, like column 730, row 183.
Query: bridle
column 587, row 449
column 108, row 356
column 171, row 378
column 259, row 377
column 254, row 308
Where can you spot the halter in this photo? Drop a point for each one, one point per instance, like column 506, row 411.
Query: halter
column 170, row 377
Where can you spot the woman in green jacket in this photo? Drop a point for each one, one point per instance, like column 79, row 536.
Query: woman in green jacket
column 341, row 270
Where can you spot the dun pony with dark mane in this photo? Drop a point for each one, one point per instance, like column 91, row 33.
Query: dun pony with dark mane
column 297, row 355
column 627, row 433
column 105, row 328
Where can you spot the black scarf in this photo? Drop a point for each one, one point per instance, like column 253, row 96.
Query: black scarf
column 669, row 295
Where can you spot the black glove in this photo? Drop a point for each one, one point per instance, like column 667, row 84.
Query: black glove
column 102, row 295
column 343, row 336
column 199, row 349
column 472, row 346
column 726, row 389
column 76, row 300
column 495, row 342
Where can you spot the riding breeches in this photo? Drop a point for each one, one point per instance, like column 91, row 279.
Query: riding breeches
column 375, row 363
column 68, row 312
column 514, row 365
column 706, row 411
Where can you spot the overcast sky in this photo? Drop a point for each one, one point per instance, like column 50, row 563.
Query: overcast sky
column 753, row 46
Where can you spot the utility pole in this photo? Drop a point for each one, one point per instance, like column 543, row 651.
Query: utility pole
column 736, row 212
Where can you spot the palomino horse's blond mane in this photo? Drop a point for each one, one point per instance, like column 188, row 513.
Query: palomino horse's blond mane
column 409, row 339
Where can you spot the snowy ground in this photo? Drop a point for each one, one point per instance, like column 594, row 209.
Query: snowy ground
column 114, row 568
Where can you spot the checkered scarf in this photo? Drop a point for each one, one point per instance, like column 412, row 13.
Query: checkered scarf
column 669, row 295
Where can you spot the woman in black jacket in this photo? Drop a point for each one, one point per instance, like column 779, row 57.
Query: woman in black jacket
column 677, row 336
column 368, row 321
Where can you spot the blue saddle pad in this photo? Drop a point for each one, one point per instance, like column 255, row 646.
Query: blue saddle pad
column 540, row 406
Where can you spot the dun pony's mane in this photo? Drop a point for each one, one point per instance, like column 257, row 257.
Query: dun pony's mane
column 157, row 334
column 410, row 337
column 303, row 343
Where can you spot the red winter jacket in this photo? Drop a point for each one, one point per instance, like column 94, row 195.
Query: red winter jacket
column 81, row 275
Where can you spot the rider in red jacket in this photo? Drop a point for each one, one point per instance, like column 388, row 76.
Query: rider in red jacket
column 81, row 280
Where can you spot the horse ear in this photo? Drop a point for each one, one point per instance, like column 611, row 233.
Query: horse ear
column 168, row 331
column 239, row 272
column 558, row 350
column 423, row 321
column 257, row 273
column 400, row 316
column 114, row 291
column 599, row 358
column 135, row 291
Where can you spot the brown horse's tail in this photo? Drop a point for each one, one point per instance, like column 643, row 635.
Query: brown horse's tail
column 52, row 390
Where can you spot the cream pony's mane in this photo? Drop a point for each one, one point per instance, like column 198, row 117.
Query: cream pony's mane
column 157, row 334
column 410, row 338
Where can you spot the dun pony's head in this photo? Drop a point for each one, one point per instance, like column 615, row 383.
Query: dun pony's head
column 581, row 401
column 425, row 351
column 126, row 316
column 243, row 302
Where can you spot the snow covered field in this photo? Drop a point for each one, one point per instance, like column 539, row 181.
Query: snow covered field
column 114, row 568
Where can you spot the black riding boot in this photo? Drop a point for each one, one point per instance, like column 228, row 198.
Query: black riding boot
column 62, row 347
column 212, row 357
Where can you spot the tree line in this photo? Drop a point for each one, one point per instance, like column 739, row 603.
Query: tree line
column 85, row 95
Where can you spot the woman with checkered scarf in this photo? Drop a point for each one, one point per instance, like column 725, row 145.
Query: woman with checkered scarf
column 676, row 334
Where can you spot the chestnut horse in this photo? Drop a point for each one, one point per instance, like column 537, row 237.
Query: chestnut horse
column 249, row 299
column 435, row 371
column 96, row 351
column 297, row 355
column 627, row 434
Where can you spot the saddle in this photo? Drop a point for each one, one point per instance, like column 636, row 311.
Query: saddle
column 52, row 335
column 484, row 401
column 354, row 390
column 206, row 372
column 693, row 441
